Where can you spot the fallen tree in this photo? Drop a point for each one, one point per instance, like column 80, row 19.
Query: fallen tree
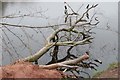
column 52, row 41
column 76, row 31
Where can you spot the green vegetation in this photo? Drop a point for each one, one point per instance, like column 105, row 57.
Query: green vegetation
column 113, row 65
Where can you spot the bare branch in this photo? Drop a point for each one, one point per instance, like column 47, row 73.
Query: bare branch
column 86, row 12
column 23, row 15
column 74, row 43
column 27, row 26
column 66, row 63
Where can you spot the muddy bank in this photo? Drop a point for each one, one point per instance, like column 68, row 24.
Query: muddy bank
column 28, row 70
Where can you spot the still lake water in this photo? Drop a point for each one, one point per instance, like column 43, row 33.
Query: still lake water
column 104, row 46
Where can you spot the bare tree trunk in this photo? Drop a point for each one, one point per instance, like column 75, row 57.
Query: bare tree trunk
column 37, row 55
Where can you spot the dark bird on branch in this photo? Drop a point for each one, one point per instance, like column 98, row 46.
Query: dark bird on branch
column 65, row 7
column 66, row 12
column 87, row 6
column 87, row 15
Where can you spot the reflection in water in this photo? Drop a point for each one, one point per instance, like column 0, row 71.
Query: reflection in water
column 104, row 46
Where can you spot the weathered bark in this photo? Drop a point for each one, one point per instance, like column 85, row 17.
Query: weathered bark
column 42, row 51
column 37, row 55
column 66, row 63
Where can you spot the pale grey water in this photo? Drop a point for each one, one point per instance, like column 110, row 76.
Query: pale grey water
column 107, row 13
